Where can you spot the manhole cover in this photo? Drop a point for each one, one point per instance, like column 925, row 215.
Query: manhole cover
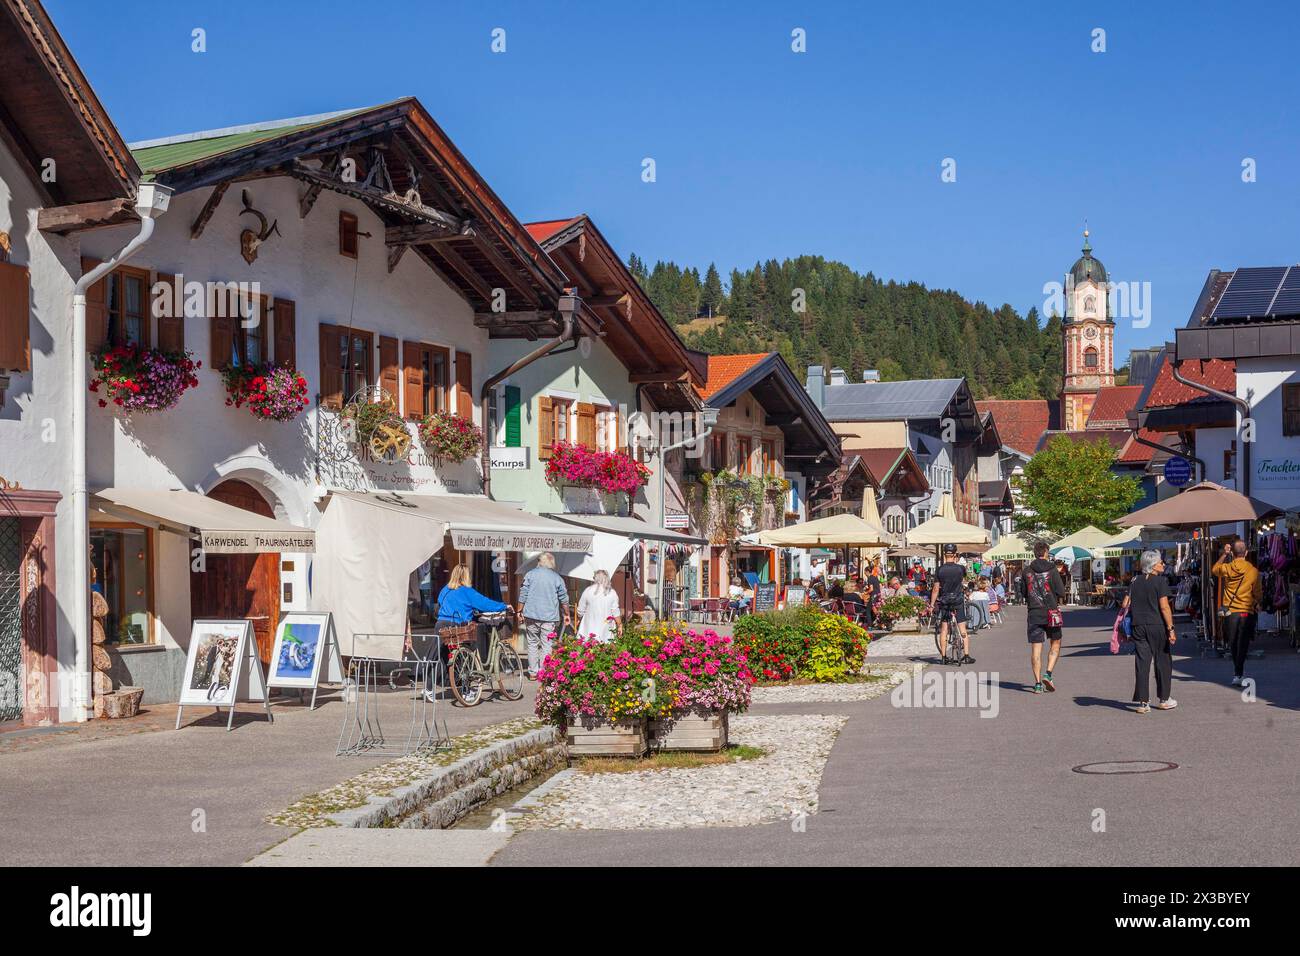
column 1126, row 766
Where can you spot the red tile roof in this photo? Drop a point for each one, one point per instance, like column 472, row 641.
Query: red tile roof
column 1020, row 423
column 1111, row 407
column 541, row 231
column 725, row 369
column 1135, row 453
column 880, row 462
column 1216, row 373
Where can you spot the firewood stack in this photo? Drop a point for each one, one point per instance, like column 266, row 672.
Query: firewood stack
column 123, row 702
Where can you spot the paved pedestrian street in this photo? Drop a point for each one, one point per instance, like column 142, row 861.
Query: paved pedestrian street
column 909, row 786
column 987, row 783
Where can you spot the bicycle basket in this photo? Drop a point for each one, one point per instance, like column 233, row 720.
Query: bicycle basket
column 493, row 619
column 458, row 633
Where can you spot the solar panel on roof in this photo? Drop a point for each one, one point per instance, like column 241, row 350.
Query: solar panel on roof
column 1287, row 301
column 1250, row 293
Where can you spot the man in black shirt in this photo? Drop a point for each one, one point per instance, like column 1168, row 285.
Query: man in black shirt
column 1043, row 590
column 948, row 605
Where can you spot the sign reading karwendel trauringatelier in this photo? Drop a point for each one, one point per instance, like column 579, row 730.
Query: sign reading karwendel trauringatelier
column 257, row 542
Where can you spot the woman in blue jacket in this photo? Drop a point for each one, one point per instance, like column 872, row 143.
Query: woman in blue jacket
column 458, row 601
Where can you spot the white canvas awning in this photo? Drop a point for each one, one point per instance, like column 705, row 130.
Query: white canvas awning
column 628, row 527
column 606, row 554
column 370, row 544
column 220, row 528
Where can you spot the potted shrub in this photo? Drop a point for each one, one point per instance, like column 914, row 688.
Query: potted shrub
column 711, row 677
column 600, row 695
column 900, row 612
column 450, row 437
column 802, row 643
column 271, row 392
column 137, row 379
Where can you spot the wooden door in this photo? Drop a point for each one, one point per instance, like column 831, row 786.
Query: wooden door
column 240, row 585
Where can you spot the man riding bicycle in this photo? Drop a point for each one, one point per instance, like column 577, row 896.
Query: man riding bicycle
column 948, row 606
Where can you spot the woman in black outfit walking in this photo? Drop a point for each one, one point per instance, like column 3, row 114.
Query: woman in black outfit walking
column 1153, row 633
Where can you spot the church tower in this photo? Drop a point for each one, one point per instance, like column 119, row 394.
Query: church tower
column 1089, row 332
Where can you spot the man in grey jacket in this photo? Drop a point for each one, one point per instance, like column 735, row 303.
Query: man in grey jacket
column 544, row 606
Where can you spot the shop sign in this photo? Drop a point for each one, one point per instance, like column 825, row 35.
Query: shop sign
column 677, row 519
column 509, row 459
column 1275, row 472
column 257, row 542
column 1178, row 471
column 469, row 540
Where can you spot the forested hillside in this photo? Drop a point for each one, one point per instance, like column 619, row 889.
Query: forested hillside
column 858, row 322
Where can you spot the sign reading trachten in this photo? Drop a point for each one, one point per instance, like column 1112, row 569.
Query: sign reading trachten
column 257, row 542
column 469, row 540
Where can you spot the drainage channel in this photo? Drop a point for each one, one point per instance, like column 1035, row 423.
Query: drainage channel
column 486, row 814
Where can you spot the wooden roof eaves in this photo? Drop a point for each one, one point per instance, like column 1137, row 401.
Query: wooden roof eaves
column 78, row 93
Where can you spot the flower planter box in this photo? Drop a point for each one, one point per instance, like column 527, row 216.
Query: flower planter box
column 701, row 732
column 906, row 625
column 587, row 737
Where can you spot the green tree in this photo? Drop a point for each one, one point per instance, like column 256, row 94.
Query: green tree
column 711, row 295
column 1069, row 485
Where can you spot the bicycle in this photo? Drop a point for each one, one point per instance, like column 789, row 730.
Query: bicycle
column 951, row 614
column 469, row 676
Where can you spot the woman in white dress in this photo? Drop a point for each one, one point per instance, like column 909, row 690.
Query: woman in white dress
column 598, row 607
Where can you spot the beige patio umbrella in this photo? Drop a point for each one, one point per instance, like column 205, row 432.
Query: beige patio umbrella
column 837, row 531
column 871, row 515
column 1086, row 538
column 944, row 528
column 1017, row 546
column 946, row 509
column 1202, row 504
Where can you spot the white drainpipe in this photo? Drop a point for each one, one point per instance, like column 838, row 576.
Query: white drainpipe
column 151, row 202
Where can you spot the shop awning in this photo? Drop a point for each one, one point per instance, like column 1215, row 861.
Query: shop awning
column 371, row 542
column 220, row 528
column 628, row 527
column 607, row 553
column 477, row 523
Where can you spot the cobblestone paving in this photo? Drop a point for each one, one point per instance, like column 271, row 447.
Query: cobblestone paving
column 778, row 786
column 891, row 677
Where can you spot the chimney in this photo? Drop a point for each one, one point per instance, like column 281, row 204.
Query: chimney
column 838, row 377
column 870, row 375
column 816, row 387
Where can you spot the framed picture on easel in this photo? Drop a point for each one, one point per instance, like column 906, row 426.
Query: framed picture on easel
column 303, row 642
column 222, row 659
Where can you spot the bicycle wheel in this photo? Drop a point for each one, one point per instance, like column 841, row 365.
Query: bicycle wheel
column 510, row 677
column 463, row 675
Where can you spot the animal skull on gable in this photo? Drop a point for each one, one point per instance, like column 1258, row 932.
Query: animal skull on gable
column 249, row 239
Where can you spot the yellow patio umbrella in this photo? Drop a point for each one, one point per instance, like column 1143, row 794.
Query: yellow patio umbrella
column 1017, row 546
column 871, row 515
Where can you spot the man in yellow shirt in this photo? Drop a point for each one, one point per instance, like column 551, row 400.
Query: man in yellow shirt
column 1240, row 591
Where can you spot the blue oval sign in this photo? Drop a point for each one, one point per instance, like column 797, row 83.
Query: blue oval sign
column 1178, row 471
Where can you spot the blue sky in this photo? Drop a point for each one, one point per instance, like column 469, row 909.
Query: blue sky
column 761, row 152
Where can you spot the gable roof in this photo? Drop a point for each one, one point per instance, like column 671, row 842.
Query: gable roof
column 1136, row 453
column 48, row 110
column 1020, row 422
column 766, row 376
column 1167, row 392
column 432, row 200
column 893, row 469
column 891, row 401
column 621, row 311
column 1111, row 407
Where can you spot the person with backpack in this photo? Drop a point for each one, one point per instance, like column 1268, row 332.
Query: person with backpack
column 1042, row 590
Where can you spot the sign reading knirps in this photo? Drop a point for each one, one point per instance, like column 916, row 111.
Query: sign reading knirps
column 463, row 539
column 256, row 542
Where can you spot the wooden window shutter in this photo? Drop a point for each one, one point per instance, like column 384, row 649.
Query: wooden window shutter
column 223, row 324
column 545, row 426
column 347, row 235
column 587, row 424
column 513, row 437
column 465, row 385
column 413, row 388
column 390, row 378
column 15, row 318
column 96, row 309
column 331, row 366
column 286, row 332
column 171, row 314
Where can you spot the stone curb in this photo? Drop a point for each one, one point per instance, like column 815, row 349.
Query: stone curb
column 453, row 791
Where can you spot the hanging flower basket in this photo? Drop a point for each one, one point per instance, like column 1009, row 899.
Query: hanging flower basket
column 137, row 379
column 377, row 426
column 608, row 471
column 271, row 392
column 450, row 437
